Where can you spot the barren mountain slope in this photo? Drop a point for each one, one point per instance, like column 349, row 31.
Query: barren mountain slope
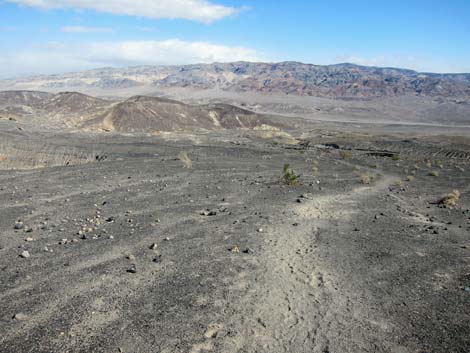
column 136, row 114
column 147, row 114
column 29, row 98
column 293, row 78
column 65, row 109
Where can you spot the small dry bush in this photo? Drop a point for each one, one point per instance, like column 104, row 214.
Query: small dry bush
column 345, row 154
column 433, row 173
column 3, row 157
column 450, row 199
column 366, row 179
column 184, row 158
column 410, row 178
column 399, row 183
column 396, row 157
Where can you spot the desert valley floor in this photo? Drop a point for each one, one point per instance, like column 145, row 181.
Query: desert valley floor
column 180, row 242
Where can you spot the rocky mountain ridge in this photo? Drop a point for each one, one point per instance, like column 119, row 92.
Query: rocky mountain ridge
column 341, row 81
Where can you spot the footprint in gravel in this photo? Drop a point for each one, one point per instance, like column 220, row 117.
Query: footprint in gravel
column 213, row 330
column 202, row 347
column 317, row 280
column 291, row 268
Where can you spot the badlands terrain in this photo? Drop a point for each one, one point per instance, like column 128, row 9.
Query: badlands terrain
column 235, row 208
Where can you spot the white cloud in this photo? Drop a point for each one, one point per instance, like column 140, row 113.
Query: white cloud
column 198, row 10
column 84, row 29
column 61, row 57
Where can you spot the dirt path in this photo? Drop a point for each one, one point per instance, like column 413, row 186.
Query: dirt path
column 299, row 304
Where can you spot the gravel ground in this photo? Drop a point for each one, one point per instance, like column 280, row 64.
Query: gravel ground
column 113, row 245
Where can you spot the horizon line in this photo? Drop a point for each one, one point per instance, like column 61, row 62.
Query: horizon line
column 235, row 62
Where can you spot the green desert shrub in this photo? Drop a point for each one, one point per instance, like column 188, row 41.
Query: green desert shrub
column 399, row 183
column 289, row 176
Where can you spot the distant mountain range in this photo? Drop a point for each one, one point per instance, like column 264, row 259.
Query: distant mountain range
column 342, row 81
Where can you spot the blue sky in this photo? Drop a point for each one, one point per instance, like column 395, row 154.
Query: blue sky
column 53, row 36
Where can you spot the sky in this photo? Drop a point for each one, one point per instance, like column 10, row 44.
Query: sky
column 56, row 36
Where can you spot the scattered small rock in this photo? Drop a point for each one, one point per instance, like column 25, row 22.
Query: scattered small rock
column 154, row 246
column 208, row 213
column 25, row 254
column 132, row 269
column 20, row 317
column 19, row 225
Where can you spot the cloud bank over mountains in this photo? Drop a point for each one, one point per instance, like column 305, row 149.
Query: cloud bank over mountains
column 69, row 57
